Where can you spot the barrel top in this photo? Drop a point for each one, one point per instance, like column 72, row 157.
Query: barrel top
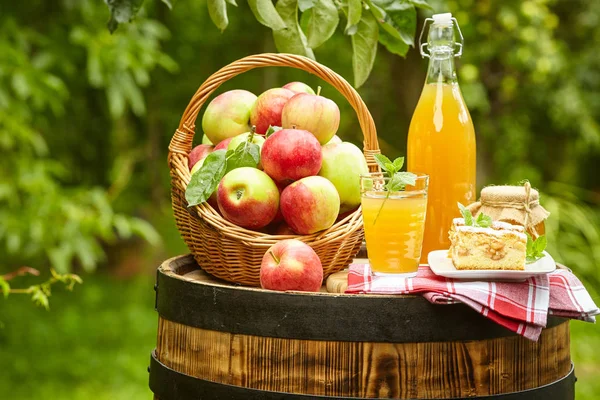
column 187, row 295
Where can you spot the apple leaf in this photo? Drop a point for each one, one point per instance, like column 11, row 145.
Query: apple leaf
column 354, row 14
column 266, row 14
column 204, row 182
column 324, row 18
column 392, row 44
column 421, row 4
column 247, row 154
column 272, row 129
column 304, row 5
column 397, row 17
column 291, row 39
column 217, row 9
column 364, row 46
column 232, row 2
column 121, row 11
column 168, row 3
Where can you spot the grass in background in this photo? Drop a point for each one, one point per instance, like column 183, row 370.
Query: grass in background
column 95, row 343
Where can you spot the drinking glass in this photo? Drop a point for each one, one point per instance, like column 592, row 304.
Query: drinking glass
column 394, row 222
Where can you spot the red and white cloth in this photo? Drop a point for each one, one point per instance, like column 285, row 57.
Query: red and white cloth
column 522, row 307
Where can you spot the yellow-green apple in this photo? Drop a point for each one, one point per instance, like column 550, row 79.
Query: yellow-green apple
column 235, row 141
column 299, row 87
column 206, row 140
column 228, row 115
column 310, row 205
column 199, row 153
column 291, row 265
column 223, row 144
column 291, row 154
column 248, row 198
column 316, row 114
column 335, row 139
column 343, row 164
column 267, row 109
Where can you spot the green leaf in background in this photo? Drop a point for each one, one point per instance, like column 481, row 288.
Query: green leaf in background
column 392, row 44
column 354, row 14
column 397, row 17
column 217, row 9
column 4, row 287
column 168, row 3
column 291, row 39
column 204, row 182
column 421, row 4
column 324, row 18
column 304, row 5
column 232, row 2
column 121, row 11
column 364, row 47
column 266, row 14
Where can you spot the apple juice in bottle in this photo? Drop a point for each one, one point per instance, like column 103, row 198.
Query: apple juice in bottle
column 441, row 137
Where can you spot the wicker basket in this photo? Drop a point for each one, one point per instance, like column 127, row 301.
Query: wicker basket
column 233, row 253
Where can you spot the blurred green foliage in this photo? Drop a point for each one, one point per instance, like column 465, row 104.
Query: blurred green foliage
column 86, row 118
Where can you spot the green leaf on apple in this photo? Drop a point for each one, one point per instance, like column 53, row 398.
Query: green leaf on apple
column 290, row 38
column 364, row 48
column 272, row 129
column 217, row 9
column 266, row 14
column 247, row 154
column 324, row 18
column 204, row 182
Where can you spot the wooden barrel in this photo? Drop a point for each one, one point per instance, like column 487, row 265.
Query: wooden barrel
column 221, row 341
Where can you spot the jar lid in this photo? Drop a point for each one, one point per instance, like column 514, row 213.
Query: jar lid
column 509, row 204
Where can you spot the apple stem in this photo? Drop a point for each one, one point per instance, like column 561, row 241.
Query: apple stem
column 318, row 90
column 277, row 260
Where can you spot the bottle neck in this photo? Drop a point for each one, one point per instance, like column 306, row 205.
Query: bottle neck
column 441, row 66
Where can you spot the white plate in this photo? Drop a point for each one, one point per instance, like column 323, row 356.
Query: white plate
column 442, row 265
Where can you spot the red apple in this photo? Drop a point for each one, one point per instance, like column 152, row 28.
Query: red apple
column 291, row 265
column 228, row 115
column 267, row 109
column 316, row 114
column 283, row 229
column 198, row 153
column 291, row 154
column 299, row 87
column 248, row 198
column 223, row 144
column 310, row 205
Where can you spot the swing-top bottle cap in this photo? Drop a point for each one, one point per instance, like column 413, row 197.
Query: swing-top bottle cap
column 442, row 19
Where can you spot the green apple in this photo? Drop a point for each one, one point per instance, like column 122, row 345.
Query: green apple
column 343, row 164
column 235, row 142
column 228, row 115
column 335, row 139
column 206, row 140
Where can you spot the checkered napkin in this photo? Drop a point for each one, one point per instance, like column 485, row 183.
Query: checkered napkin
column 522, row 307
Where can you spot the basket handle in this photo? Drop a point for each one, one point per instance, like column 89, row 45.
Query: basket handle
column 182, row 139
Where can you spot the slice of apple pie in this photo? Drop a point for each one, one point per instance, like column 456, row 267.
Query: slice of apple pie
column 499, row 246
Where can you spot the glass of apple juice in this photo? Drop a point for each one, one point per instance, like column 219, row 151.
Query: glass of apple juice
column 394, row 222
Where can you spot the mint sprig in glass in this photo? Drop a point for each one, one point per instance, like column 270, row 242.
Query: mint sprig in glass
column 394, row 205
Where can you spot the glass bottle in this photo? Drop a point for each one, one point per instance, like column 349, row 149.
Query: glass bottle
column 441, row 137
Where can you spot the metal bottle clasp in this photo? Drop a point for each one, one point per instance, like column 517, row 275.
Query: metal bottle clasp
column 423, row 46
